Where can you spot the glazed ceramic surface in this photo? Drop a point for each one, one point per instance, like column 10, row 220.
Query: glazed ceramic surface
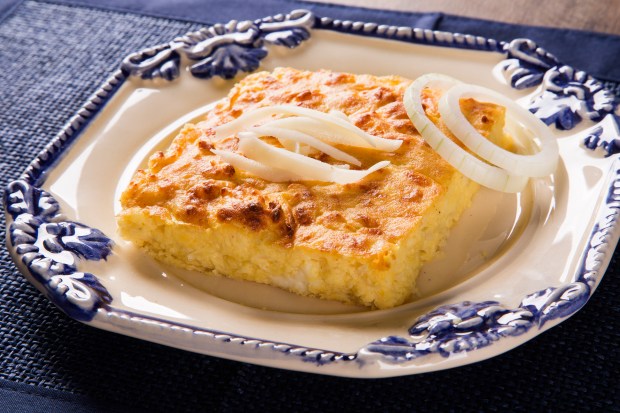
column 514, row 266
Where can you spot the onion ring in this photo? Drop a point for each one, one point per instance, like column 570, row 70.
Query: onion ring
column 539, row 164
column 470, row 166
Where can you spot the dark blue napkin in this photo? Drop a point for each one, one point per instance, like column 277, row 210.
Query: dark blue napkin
column 53, row 55
column 598, row 54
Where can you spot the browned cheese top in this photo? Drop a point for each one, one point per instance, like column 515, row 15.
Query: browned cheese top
column 190, row 184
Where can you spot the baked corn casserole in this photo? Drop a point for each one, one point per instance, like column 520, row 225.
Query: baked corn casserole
column 361, row 243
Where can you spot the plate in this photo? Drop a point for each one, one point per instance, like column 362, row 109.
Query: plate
column 514, row 266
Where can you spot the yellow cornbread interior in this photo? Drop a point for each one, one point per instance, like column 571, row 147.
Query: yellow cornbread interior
column 361, row 243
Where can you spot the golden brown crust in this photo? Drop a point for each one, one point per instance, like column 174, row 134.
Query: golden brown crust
column 189, row 184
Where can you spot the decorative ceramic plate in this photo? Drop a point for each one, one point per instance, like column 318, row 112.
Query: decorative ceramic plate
column 513, row 267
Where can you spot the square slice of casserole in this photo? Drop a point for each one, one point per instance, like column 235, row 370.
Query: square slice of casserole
column 361, row 243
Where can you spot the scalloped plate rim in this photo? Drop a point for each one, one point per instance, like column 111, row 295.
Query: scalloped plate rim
column 380, row 363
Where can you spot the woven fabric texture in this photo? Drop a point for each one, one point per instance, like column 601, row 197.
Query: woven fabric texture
column 52, row 57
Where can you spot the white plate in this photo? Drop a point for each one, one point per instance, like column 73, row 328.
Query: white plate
column 514, row 266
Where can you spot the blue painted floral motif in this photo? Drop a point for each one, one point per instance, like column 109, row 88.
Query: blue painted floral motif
column 455, row 328
column 527, row 63
column 222, row 49
column 158, row 62
column 49, row 247
column 567, row 96
column 469, row 326
column 605, row 135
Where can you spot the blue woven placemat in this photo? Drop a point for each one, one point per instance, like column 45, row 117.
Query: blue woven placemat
column 52, row 57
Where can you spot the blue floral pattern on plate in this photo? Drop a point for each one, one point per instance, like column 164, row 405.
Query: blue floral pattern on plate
column 567, row 95
column 50, row 246
column 604, row 135
column 221, row 50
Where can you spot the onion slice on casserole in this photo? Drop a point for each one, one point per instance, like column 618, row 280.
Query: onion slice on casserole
column 347, row 130
column 472, row 167
column 539, row 164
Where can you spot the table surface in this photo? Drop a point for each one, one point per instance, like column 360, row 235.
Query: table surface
column 591, row 15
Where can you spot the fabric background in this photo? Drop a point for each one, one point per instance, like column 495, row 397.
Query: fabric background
column 52, row 57
column 595, row 53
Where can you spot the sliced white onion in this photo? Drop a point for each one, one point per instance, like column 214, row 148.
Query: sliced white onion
column 256, row 168
column 304, row 167
column 340, row 114
column 323, row 131
column 344, row 127
column 298, row 138
column 298, row 148
column 470, row 166
column 539, row 164
column 290, row 145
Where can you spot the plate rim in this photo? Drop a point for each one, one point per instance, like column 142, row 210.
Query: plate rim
column 290, row 30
